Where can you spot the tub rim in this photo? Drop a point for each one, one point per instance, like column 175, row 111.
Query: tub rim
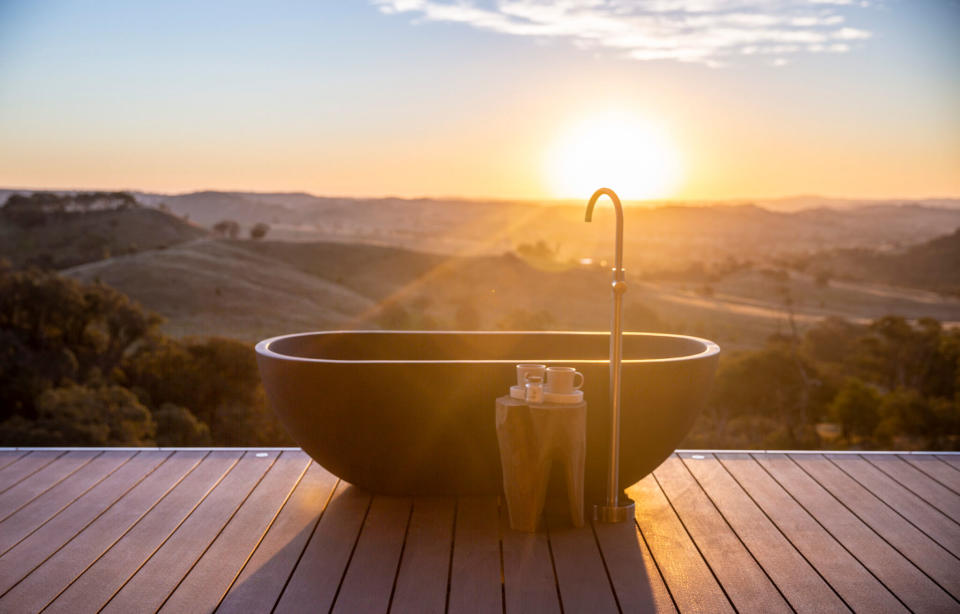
column 263, row 348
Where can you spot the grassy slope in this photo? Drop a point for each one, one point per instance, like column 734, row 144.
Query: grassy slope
column 932, row 265
column 76, row 238
column 214, row 288
column 250, row 290
column 660, row 237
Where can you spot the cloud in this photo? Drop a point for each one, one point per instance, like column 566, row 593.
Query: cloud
column 712, row 32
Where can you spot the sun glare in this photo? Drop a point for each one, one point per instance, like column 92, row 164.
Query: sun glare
column 616, row 150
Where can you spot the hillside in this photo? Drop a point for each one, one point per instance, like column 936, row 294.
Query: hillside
column 657, row 238
column 70, row 239
column 663, row 236
column 215, row 288
column 933, row 265
column 250, row 290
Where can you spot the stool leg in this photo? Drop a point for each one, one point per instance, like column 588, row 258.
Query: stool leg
column 574, row 472
column 525, row 467
column 574, row 457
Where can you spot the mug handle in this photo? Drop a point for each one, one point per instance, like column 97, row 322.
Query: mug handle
column 580, row 385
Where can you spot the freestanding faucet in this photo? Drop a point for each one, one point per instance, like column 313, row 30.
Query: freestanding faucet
column 612, row 510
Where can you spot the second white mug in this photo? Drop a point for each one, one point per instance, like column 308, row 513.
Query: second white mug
column 562, row 380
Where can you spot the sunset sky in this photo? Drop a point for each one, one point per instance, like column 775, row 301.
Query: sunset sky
column 698, row 99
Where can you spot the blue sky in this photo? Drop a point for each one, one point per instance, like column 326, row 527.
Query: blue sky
column 418, row 97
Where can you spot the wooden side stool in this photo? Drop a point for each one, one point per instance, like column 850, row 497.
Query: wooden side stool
column 531, row 437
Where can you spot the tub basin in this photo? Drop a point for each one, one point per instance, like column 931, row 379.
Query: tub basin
column 409, row 412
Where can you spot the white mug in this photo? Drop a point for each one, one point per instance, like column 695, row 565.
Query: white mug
column 525, row 370
column 560, row 380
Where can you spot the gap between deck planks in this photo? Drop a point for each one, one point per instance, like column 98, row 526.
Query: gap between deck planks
column 271, row 530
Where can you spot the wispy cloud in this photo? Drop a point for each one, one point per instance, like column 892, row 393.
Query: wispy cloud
column 712, row 32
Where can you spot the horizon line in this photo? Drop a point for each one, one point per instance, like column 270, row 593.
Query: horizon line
column 743, row 200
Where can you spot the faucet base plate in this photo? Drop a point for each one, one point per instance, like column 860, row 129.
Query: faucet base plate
column 614, row 513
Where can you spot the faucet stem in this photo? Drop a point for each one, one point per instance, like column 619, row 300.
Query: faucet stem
column 612, row 510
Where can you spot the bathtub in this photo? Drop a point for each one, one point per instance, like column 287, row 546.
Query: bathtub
column 401, row 412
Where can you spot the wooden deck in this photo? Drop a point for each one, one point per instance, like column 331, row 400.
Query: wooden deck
column 234, row 530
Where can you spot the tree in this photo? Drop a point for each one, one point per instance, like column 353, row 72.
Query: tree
column 82, row 364
column 81, row 415
column 832, row 339
column 24, row 211
column 216, row 378
column 539, row 253
column 177, row 426
column 856, row 407
column 259, row 230
column 897, row 354
column 55, row 329
column 227, row 228
column 768, row 383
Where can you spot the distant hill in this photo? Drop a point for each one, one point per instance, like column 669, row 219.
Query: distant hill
column 250, row 290
column 932, row 265
column 813, row 201
column 72, row 238
column 217, row 288
column 656, row 237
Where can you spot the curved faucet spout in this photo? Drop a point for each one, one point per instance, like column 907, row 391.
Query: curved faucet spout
column 618, row 259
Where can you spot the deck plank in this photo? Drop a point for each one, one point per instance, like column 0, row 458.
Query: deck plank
column 859, row 589
column 935, row 468
column 316, row 579
column 92, row 589
column 799, row 583
column 203, row 530
column 34, row 514
column 425, row 566
column 212, row 575
column 909, row 584
column 372, row 572
column 26, row 466
column 929, row 556
column 744, row 581
column 951, row 459
column 691, row 583
column 945, row 531
column 151, row 585
column 529, row 581
column 25, row 491
column 918, row 483
column 8, row 457
column 51, row 536
column 259, row 584
column 56, row 573
column 582, row 577
column 637, row 582
column 475, row 567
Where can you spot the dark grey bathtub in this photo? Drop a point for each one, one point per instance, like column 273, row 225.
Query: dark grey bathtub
column 413, row 412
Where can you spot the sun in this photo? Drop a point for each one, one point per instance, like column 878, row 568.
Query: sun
column 617, row 150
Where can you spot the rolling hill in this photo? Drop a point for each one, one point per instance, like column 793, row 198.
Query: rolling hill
column 215, row 288
column 655, row 236
column 250, row 290
column 932, row 265
column 70, row 239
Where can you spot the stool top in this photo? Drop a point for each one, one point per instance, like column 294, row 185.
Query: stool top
column 512, row 402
